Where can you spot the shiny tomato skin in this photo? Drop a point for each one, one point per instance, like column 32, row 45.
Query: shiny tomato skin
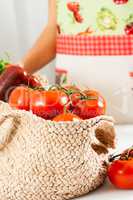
column 75, row 98
column 100, row 101
column 66, row 117
column 19, row 98
column 45, row 104
column 73, row 93
column 48, row 104
column 120, row 173
column 90, row 108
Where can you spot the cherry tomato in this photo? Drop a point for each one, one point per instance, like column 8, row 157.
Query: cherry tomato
column 48, row 104
column 91, row 104
column 75, row 98
column 120, row 171
column 66, row 117
column 19, row 98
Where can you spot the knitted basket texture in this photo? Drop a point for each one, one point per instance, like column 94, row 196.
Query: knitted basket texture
column 46, row 160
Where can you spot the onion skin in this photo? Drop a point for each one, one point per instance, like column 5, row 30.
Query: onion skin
column 12, row 77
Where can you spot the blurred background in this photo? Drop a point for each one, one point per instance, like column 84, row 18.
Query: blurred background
column 21, row 21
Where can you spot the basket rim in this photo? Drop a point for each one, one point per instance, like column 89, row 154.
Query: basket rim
column 92, row 121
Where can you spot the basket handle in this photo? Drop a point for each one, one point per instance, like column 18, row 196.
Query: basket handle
column 105, row 137
column 8, row 126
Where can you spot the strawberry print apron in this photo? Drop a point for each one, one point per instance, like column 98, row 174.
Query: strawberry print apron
column 95, row 46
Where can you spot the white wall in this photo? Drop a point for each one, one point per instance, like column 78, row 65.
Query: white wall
column 31, row 17
column 21, row 21
column 8, row 31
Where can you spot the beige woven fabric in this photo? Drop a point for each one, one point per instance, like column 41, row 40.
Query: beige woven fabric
column 44, row 160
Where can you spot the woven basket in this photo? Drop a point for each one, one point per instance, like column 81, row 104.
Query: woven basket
column 44, row 160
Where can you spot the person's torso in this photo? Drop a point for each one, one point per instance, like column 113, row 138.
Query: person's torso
column 95, row 46
column 97, row 17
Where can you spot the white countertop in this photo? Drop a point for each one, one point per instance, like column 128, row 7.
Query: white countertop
column 107, row 191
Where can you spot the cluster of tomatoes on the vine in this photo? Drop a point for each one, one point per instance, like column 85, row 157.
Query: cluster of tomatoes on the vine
column 25, row 92
column 59, row 103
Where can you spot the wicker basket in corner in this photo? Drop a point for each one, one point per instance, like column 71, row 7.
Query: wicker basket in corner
column 44, row 160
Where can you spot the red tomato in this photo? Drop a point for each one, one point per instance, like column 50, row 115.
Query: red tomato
column 48, row 104
column 66, row 117
column 90, row 105
column 75, row 98
column 45, row 104
column 19, row 98
column 120, row 173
